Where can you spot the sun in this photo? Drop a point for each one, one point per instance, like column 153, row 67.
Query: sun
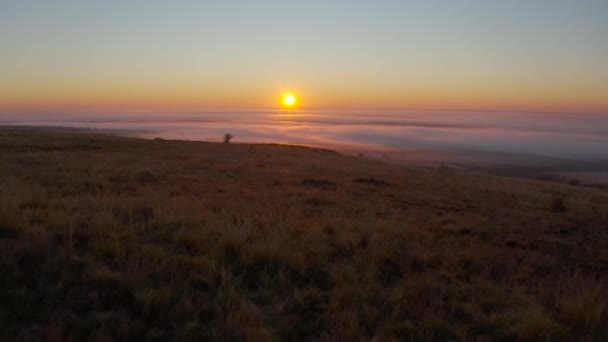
column 289, row 100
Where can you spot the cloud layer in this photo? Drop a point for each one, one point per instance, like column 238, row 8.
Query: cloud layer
column 577, row 136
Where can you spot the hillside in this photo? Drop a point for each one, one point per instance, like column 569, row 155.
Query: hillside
column 105, row 237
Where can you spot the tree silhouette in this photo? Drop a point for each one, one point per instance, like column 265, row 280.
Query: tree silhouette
column 227, row 138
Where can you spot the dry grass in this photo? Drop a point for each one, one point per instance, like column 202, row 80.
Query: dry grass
column 113, row 238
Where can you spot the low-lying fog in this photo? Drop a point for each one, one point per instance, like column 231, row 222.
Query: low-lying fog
column 582, row 137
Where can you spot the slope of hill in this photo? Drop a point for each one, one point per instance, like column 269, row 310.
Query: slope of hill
column 105, row 237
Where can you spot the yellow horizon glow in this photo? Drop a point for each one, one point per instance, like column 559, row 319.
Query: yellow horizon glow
column 190, row 95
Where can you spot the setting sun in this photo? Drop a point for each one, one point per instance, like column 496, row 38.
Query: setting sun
column 289, row 100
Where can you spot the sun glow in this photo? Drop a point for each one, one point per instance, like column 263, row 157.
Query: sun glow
column 289, row 100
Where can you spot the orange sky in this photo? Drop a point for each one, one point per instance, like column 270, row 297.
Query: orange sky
column 189, row 97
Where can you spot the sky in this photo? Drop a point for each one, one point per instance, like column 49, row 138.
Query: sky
column 112, row 56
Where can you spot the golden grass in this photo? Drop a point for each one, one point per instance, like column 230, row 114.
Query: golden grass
column 109, row 238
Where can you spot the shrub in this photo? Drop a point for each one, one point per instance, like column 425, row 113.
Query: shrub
column 227, row 138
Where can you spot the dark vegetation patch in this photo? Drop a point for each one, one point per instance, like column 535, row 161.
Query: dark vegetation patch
column 557, row 204
column 8, row 233
column 549, row 177
column 318, row 202
column 145, row 177
column 372, row 181
column 319, row 183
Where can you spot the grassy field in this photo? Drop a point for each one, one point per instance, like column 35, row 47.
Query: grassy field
column 111, row 238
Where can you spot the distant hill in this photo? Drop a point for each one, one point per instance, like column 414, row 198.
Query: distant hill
column 113, row 238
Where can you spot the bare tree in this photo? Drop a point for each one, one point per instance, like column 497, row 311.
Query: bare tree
column 227, row 138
